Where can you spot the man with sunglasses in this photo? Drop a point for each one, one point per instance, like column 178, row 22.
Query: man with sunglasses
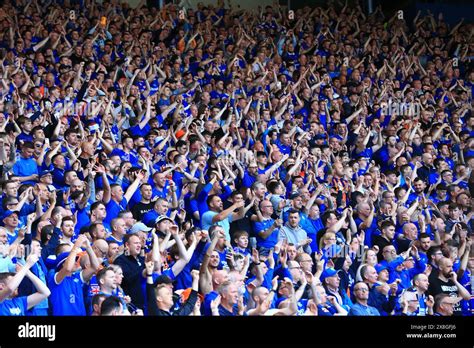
column 361, row 308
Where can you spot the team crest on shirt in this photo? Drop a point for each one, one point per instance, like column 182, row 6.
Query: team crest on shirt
column 15, row 311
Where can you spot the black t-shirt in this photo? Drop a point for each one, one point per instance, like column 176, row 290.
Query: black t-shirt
column 381, row 242
column 244, row 224
column 437, row 286
column 434, row 274
column 84, row 161
column 141, row 209
column 403, row 245
column 319, row 234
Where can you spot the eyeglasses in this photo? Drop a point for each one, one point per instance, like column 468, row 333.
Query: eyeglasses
column 390, row 251
column 298, row 267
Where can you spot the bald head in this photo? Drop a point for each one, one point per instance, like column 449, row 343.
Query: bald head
column 101, row 244
column 444, row 262
column 292, row 264
column 427, row 157
column 445, row 267
column 64, row 212
column 219, row 277
column 410, row 231
column 101, row 248
column 259, row 294
column 77, row 185
column 421, row 281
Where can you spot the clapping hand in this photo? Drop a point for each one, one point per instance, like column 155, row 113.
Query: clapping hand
column 149, row 266
column 215, row 303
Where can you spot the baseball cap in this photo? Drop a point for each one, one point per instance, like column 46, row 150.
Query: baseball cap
column 140, row 226
column 44, row 172
column 162, row 218
column 162, row 279
column 328, row 272
column 50, row 261
column 380, row 267
column 9, row 213
column 60, row 259
column 294, row 195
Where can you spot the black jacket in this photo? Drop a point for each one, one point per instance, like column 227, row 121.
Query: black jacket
column 132, row 277
column 184, row 310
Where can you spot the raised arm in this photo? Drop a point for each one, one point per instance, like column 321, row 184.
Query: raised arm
column 338, row 225
column 68, row 266
column 184, row 255
column 94, row 263
column 293, row 307
column 367, row 222
column 134, row 186
column 42, row 291
column 14, row 283
column 205, row 279
column 107, row 192
column 225, row 213
column 461, row 289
